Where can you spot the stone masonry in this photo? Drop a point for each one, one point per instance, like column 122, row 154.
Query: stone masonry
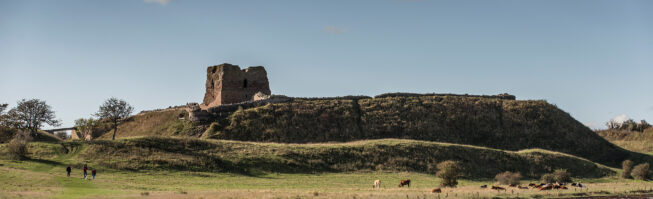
column 228, row 84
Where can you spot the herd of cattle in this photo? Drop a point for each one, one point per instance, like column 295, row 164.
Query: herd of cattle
column 541, row 187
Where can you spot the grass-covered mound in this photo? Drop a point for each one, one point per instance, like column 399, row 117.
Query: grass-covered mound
column 6, row 134
column 631, row 140
column 490, row 122
column 163, row 123
column 374, row 155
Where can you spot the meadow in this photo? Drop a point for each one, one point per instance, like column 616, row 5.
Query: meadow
column 42, row 179
column 158, row 167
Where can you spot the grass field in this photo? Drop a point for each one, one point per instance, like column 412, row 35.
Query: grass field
column 42, row 179
column 155, row 171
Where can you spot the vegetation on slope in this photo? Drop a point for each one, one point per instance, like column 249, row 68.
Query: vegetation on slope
column 489, row 122
column 163, row 123
column 631, row 140
column 374, row 155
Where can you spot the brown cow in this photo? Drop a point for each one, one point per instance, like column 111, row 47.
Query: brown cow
column 531, row 184
column 498, row 188
column 405, row 182
column 484, row 186
column 436, row 190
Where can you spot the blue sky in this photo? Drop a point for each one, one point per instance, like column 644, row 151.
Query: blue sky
column 593, row 59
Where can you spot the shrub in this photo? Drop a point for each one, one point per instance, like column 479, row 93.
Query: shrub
column 627, row 167
column 561, row 175
column 641, row 171
column 548, row 178
column 449, row 171
column 17, row 147
column 508, row 178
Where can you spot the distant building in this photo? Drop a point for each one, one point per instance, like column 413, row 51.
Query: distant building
column 228, row 84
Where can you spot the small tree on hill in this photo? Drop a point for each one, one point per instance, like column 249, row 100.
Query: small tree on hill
column 641, row 171
column 449, row 171
column 508, row 178
column 3, row 107
column 17, row 147
column 627, row 168
column 87, row 127
column 561, row 176
column 548, row 178
column 31, row 115
column 114, row 110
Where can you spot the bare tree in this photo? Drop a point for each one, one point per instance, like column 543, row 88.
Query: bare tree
column 31, row 114
column 114, row 110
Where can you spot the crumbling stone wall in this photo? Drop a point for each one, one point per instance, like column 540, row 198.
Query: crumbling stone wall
column 228, row 84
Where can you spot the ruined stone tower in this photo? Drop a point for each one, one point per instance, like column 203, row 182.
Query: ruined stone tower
column 228, row 84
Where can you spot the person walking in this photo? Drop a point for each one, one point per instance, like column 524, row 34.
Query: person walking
column 93, row 173
column 68, row 170
column 85, row 169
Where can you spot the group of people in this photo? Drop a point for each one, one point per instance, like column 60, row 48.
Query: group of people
column 85, row 170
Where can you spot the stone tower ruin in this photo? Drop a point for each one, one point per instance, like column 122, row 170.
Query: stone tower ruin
column 228, row 84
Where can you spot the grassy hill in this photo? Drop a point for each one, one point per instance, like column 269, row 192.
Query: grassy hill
column 635, row 141
column 165, row 153
column 489, row 122
column 6, row 134
column 473, row 120
column 163, row 123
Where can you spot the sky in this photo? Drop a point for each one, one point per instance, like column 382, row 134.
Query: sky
column 591, row 58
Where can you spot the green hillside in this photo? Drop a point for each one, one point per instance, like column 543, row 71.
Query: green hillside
column 164, row 153
column 490, row 122
column 635, row 141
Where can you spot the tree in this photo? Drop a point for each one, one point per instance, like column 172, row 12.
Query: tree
column 449, row 171
column 17, row 147
column 3, row 107
column 87, row 127
column 508, row 178
column 641, row 171
column 548, row 178
column 114, row 110
column 643, row 125
column 627, row 167
column 561, row 176
column 31, row 114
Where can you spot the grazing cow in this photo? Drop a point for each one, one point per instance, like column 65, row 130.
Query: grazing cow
column 484, row 186
column 531, row 184
column 546, row 187
column 512, row 185
column 520, row 187
column 377, row 184
column 573, row 184
column 563, row 187
column 436, row 190
column 581, row 185
column 404, row 183
column 498, row 188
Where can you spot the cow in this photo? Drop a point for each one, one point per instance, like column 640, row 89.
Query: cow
column 484, row 186
column 436, row 190
column 377, row 184
column 498, row 188
column 512, row 185
column 405, row 182
column 531, row 184
column 546, row 187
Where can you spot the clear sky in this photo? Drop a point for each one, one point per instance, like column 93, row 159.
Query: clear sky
column 593, row 58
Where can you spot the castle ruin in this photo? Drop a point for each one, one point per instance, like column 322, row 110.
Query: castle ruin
column 228, row 84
